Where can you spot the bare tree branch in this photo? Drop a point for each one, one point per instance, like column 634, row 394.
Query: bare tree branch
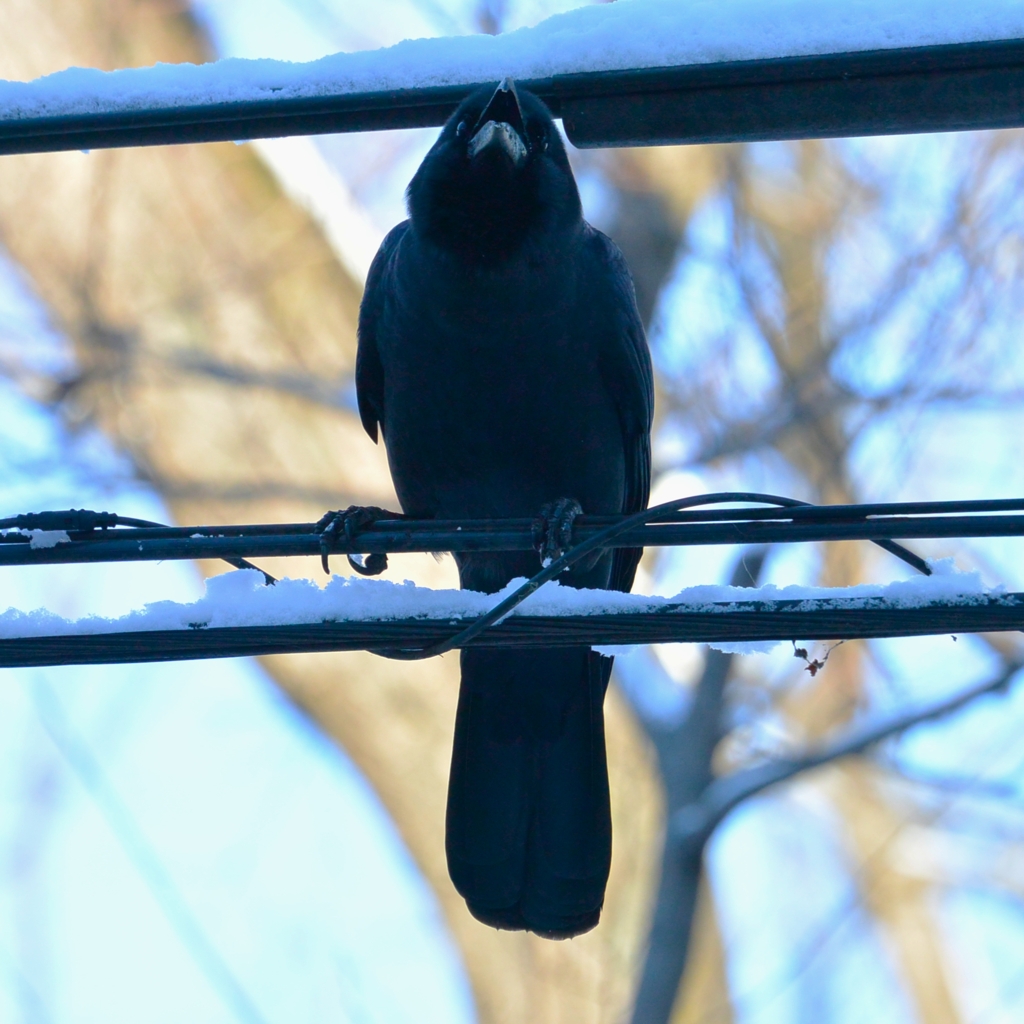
column 692, row 825
column 684, row 755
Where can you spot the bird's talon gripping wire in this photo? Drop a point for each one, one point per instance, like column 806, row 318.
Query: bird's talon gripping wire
column 350, row 521
column 552, row 529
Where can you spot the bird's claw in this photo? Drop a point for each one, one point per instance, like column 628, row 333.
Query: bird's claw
column 552, row 529
column 349, row 522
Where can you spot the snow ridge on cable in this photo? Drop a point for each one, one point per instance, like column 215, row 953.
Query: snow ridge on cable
column 241, row 598
column 604, row 37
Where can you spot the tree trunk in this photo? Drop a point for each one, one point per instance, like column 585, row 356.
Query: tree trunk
column 205, row 310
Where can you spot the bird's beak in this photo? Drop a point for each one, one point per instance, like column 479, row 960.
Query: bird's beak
column 501, row 124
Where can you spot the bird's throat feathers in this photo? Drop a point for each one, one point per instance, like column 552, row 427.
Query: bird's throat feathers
column 482, row 224
column 482, row 206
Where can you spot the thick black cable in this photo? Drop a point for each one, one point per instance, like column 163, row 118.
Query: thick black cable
column 82, row 520
column 599, row 540
column 715, row 623
column 970, row 85
column 797, row 523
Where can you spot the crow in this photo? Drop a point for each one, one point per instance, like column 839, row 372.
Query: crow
column 503, row 360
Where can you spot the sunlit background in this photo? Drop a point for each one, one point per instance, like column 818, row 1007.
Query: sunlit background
column 243, row 841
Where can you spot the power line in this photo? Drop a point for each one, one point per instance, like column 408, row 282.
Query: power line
column 954, row 87
column 78, row 535
column 414, row 638
column 104, row 537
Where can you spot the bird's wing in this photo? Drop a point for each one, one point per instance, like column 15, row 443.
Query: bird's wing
column 625, row 364
column 369, row 369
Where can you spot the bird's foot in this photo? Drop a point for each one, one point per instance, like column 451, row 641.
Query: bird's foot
column 348, row 522
column 552, row 529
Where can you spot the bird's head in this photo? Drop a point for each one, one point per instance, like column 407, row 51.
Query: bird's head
column 497, row 176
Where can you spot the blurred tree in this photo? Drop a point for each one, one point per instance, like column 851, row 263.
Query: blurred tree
column 796, row 225
column 213, row 330
column 214, row 334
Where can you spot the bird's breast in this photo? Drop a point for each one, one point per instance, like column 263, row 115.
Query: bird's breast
column 494, row 402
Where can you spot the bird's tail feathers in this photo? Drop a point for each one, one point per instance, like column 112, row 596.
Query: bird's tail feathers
column 529, row 820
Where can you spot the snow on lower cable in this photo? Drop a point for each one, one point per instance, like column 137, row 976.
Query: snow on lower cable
column 241, row 598
column 41, row 538
column 603, row 37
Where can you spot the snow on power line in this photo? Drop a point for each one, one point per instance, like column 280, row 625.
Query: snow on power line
column 238, row 599
column 628, row 34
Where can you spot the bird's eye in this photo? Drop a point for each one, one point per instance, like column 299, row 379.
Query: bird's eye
column 460, row 130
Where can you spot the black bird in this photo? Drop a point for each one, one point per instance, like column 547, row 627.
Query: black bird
column 502, row 358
